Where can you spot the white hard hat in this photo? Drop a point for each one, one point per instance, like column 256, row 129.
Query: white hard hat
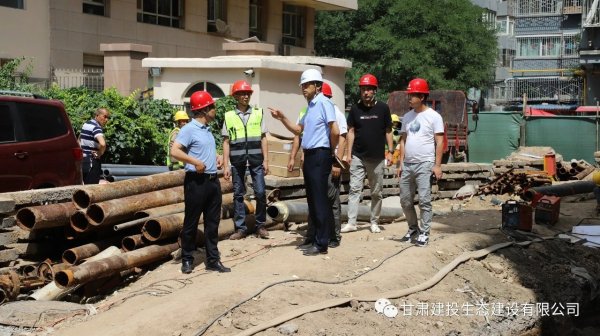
column 311, row 75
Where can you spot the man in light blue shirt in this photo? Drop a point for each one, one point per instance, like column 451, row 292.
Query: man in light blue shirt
column 319, row 141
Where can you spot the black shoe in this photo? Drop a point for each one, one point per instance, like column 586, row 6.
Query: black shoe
column 187, row 266
column 333, row 243
column 218, row 267
column 307, row 243
column 313, row 251
column 410, row 234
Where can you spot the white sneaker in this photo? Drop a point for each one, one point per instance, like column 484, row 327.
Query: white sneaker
column 375, row 228
column 348, row 228
column 423, row 240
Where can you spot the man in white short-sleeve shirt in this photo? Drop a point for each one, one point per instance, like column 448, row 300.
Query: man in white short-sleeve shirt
column 421, row 150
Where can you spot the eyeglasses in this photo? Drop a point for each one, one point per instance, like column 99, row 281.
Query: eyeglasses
column 243, row 93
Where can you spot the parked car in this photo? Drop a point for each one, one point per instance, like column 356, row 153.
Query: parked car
column 38, row 147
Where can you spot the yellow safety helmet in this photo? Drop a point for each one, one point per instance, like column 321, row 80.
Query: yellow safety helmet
column 596, row 177
column 395, row 118
column 181, row 115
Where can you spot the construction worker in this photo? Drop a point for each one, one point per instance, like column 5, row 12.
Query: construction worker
column 195, row 146
column 369, row 132
column 320, row 137
column 333, row 187
column 181, row 118
column 421, row 149
column 245, row 146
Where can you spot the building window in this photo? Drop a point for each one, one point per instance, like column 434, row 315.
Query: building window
column 294, row 25
column 160, row 12
column 217, row 11
column 537, row 7
column 95, row 7
column 256, row 18
column 209, row 87
column 505, row 26
column 548, row 46
column 12, row 3
column 505, row 57
column 489, row 18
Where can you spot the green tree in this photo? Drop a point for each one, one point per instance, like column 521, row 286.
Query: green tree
column 14, row 75
column 444, row 41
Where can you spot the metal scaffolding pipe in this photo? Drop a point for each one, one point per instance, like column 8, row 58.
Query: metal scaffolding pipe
column 87, row 195
column 133, row 242
column 79, row 221
column 47, row 270
column 116, row 210
column 137, row 171
column 565, row 189
column 298, row 212
column 111, row 265
column 45, row 216
column 76, row 254
column 161, row 211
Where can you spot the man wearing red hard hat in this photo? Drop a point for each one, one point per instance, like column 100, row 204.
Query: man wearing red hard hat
column 195, row 146
column 421, row 149
column 369, row 131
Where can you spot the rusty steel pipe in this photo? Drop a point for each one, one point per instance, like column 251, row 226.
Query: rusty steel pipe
column 74, row 255
column 80, row 222
column 102, row 268
column 10, row 284
column 116, row 210
column 565, row 189
column 88, row 195
column 585, row 172
column 47, row 270
column 169, row 226
column 160, row 211
column 298, row 212
column 45, row 216
column 133, row 242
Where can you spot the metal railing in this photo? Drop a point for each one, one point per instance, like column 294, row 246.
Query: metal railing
column 91, row 78
column 537, row 7
column 545, row 89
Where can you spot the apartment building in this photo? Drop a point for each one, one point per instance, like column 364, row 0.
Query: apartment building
column 590, row 50
column 62, row 35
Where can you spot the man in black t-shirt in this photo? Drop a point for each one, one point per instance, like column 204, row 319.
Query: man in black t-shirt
column 369, row 130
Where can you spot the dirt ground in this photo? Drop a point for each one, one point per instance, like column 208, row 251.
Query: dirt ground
column 493, row 295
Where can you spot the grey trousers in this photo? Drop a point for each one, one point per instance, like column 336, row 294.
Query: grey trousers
column 416, row 177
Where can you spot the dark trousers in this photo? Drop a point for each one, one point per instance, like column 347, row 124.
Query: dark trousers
column 202, row 194
column 91, row 169
column 316, row 170
column 238, row 174
column 333, row 194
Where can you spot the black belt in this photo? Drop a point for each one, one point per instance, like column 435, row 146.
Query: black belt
column 313, row 150
column 208, row 176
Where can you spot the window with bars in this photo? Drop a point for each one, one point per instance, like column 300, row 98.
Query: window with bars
column 489, row 18
column 256, row 17
column 547, row 46
column 505, row 57
column 12, row 3
column 161, row 12
column 217, row 10
column 95, row 7
column 294, row 25
column 505, row 26
column 538, row 7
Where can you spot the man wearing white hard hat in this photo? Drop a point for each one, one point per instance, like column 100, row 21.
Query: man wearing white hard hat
column 320, row 138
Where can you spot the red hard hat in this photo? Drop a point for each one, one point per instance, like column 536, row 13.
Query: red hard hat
column 200, row 100
column 241, row 85
column 368, row 80
column 327, row 90
column 418, row 85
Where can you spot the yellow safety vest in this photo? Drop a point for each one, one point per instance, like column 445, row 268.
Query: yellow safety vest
column 244, row 140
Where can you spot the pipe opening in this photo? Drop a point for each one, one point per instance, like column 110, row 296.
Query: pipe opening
column 273, row 211
column 62, row 279
column 96, row 214
column 79, row 223
column 129, row 243
column 3, row 296
column 153, row 230
column 70, row 257
column 81, row 199
column 26, row 218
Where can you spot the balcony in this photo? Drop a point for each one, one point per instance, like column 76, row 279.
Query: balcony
column 572, row 7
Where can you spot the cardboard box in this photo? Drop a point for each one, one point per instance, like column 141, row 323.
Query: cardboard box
column 278, row 145
column 283, row 172
column 281, row 158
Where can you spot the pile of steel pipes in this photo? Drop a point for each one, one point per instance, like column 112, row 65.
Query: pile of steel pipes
column 574, row 170
column 119, row 172
column 136, row 222
column 515, row 182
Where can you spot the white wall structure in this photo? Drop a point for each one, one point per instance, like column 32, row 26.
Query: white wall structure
column 275, row 82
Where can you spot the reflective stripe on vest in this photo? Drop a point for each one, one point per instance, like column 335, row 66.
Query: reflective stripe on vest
column 244, row 140
column 169, row 140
